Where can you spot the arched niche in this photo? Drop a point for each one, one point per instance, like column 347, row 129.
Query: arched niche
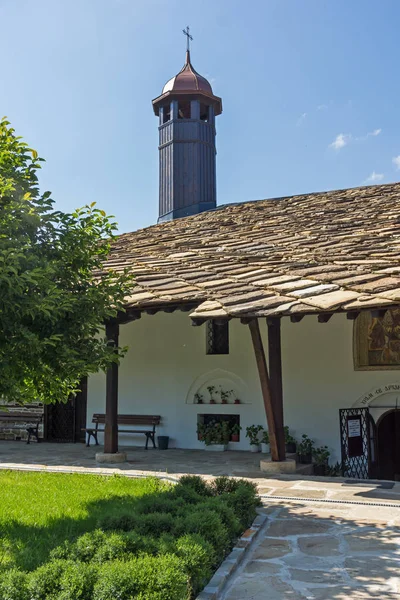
column 220, row 379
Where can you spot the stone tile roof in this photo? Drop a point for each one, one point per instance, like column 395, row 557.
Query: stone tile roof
column 323, row 252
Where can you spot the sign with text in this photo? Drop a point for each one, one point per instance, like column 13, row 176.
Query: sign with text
column 354, row 437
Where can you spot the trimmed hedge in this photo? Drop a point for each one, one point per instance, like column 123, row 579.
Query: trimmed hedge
column 165, row 549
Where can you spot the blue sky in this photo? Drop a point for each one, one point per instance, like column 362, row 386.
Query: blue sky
column 310, row 93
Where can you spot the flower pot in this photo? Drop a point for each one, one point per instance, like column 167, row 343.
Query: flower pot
column 237, row 401
column 320, row 469
column 265, row 449
column 291, row 448
column 254, row 447
column 234, row 437
column 163, row 442
column 305, row 459
column 216, row 447
column 212, row 401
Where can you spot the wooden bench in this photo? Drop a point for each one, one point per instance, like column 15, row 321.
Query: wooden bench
column 143, row 420
column 25, row 417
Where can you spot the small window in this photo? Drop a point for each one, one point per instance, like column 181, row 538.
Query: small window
column 166, row 113
column 184, row 110
column 204, row 112
column 217, row 337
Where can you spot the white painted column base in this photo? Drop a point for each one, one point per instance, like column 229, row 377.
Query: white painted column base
column 285, row 466
column 116, row 457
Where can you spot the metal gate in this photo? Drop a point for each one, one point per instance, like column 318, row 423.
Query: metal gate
column 355, row 436
column 60, row 422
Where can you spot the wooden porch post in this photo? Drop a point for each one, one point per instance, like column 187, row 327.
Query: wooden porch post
column 111, row 425
column 265, row 389
column 275, row 373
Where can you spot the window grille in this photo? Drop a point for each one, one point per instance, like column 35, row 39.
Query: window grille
column 217, row 337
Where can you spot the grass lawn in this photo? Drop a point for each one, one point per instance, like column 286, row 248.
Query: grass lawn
column 39, row 511
column 88, row 537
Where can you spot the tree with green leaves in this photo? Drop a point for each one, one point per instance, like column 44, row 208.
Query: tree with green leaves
column 55, row 295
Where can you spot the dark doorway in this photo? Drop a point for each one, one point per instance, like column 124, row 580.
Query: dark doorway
column 388, row 433
column 64, row 421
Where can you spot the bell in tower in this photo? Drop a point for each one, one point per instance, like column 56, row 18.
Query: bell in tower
column 187, row 109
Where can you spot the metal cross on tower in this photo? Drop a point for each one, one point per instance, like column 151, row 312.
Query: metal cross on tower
column 189, row 37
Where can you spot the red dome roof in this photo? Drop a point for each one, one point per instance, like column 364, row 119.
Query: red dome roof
column 188, row 80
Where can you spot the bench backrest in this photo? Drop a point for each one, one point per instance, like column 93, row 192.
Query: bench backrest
column 100, row 419
column 20, row 416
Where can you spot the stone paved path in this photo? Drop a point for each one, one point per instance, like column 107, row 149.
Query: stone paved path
column 318, row 551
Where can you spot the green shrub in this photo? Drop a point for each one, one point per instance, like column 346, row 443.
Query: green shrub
column 155, row 524
column 126, row 522
column 116, row 546
column 196, row 483
column 146, row 577
column 44, row 582
column 198, row 557
column 227, row 515
column 164, row 503
column 77, row 582
column 187, row 493
column 208, row 524
column 224, row 485
column 13, row 585
column 244, row 502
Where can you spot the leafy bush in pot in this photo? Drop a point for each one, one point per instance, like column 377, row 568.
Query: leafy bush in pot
column 252, row 432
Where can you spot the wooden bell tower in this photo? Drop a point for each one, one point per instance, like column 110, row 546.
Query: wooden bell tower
column 187, row 109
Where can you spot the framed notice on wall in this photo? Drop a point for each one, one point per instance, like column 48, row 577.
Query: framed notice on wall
column 354, row 436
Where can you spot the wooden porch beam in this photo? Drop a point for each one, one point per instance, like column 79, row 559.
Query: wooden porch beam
column 265, row 387
column 352, row 315
column 296, row 318
column 324, row 317
column 276, row 385
column 111, row 425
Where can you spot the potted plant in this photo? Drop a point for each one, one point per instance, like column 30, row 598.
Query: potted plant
column 237, row 401
column 235, row 432
column 305, row 450
column 290, row 442
column 265, row 449
column 321, row 459
column 198, row 398
column 225, row 395
column 211, row 391
column 215, row 435
column 201, row 429
column 252, row 433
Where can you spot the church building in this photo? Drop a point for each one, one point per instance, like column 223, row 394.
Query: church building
column 278, row 312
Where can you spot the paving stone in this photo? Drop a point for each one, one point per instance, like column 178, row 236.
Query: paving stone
column 300, row 493
column 372, row 569
column 261, row 567
column 312, row 576
column 372, row 541
column 346, row 593
column 283, row 528
column 320, row 545
column 272, row 548
column 261, row 588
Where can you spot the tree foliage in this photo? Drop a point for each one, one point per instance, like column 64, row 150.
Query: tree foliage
column 55, row 295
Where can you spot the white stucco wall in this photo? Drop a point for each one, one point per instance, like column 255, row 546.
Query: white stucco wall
column 167, row 355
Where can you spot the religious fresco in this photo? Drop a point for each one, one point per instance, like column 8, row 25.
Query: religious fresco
column 384, row 339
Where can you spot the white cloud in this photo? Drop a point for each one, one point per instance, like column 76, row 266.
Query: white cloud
column 301, row 119
column 374, row 177
column 340, row 141
column 375, row 132
column 322, row 106
column 396, row 162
